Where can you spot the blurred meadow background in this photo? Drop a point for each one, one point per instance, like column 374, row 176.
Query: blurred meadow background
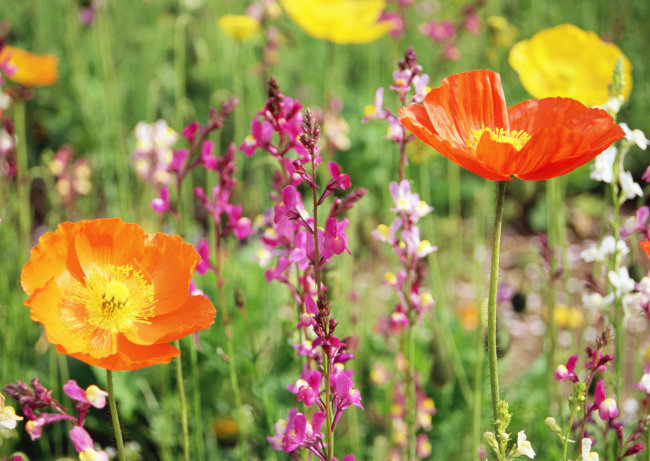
column 145, row 60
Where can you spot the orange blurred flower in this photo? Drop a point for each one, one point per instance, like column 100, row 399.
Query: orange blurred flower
column 30, row 69
column 110, row 295
column 645, row 246
column 467, row 121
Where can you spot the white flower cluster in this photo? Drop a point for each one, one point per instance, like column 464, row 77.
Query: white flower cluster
column 603, row 169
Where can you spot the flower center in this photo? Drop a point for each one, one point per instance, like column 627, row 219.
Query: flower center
column 516, row 139
column 114, row 299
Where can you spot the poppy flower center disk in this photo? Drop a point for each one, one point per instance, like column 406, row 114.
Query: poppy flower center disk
column 516, row 139
column 115, row 298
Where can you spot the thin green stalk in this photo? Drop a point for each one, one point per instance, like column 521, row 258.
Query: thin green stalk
column 410, row 391
column 492, row 300
column 453, row 174
column 181, row 393
column 196, row 399
column 566, row 437
column 179, row 68
column 22, row 175
column 647, row 451
column 480, row 219
column 619, row 355
column 552, row 207
column 114, row 416
column 232, row 365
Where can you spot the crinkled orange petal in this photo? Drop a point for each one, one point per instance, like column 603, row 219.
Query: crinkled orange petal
column 52, row 257
column 466, row 101
column 500, row 156
column 170, row 263
column 99, row 242
column 31, row 69
column 129, row 356
column 45, row 305
column 593, row 131
column 594, row 124
column 197, row 313
column 553, row 152
column 416, row 119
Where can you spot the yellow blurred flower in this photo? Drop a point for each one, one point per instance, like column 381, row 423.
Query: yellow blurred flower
column 31, row 69
column 568, row 61
column 239, row 26
column 339, row 21
column 568, row 317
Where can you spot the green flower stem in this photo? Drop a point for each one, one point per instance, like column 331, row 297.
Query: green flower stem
column 619, row 354
column 566, row 437
column 196, row 399
column 410, row 390
column 114, row 416
column 181, row 393
column 22, row 175
column 492, row 300
column 328, row 364
column 232, row 363
column 553, row 204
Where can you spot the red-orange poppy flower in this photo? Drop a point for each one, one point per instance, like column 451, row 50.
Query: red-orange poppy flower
column 645, row 246
column 30, row 69
column 466, row 119
column 110, row 295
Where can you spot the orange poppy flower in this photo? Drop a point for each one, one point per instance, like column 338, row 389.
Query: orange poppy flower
column 31, row 69
column 110, row 295
column 467, row 120
column 645, row 246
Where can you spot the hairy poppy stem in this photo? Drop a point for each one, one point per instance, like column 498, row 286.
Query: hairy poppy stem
column 492, row 299
column 181, row 393
column 114, row 416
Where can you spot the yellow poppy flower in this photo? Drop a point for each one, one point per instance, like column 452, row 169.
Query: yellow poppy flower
column 339, row 21
column 30, row 69
column 568, row 61
column 239, row 26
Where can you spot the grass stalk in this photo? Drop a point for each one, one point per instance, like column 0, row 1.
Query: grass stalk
column 22, row 175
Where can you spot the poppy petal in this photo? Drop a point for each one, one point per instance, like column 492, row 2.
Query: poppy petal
column 416, row 119
column 100, row 242
column 197, row 313
column 129, row 356
column 165, row 257
column 466, row 101
column 51, row 258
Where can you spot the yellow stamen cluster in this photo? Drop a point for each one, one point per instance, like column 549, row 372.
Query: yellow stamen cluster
column 516, row 139
column 114, row 298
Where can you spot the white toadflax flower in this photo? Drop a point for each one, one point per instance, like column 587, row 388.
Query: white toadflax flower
column 524, row 448
column 635, row 136
column 587, row 454
column 621, row 281
column 606, row 248
column 630, row 188
column 602, row 169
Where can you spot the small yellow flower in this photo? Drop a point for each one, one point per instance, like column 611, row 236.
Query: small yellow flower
column 239, row 26
column 570, row 62
column 339, row 21
column 568, row 317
